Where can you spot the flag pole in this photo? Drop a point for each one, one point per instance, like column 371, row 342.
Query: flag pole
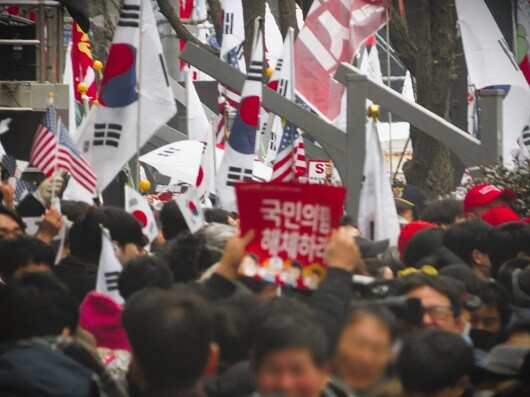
column 388, row 72
column 138, row 88
column 57, row 134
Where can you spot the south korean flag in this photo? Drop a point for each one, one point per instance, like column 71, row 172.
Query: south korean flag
column 135, row 98
column 238, row 160
column 109, row 269
column 137, row 206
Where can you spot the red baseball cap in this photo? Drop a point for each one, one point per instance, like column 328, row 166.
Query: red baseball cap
column 500, row 215
column 484, row 194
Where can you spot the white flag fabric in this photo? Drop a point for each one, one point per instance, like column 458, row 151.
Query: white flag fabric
column 76, row 192
column 135, row 96
column 206, row 176
column 198, row 124
column 190, row 207
column 273, row 38
column 109, row 269
column 491, row 64
column 4, row 127
column 233, row 32
column 281, row 81
column 378, row 217
column 137, row 206
column 408, row 90
column 238, row 160
column 68, row 79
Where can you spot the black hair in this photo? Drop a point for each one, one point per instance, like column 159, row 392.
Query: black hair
column 172, row 220
column 347, row 220
column 144, row 271
column 11, row 213
column 443, row 285
column 186, row 256
column 505, row 242
column 443, row 212
column 285, row 333
column 505, row 272
column 424, row 243
column 440, row 259
column 217, row 215
column 383, row 315
column 170, row 334
column 85, row 234
column 492, row 293
column 462, row 238
column 432, row 360
column 36, row 304
column 73, row 210
column 23, row 251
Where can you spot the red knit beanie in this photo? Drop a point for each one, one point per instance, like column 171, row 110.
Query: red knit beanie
column 408, row 232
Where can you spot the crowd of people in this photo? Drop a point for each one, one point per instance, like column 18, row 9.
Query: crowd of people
column 446, row 313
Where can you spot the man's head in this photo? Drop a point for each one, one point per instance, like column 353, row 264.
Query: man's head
column 435, row 363
column 24, row 253
column 405, row 209
column 469, row 240
column 441, row 300
column 125, row 231
column 444, row 212
column 36, row 304
column 364, row 348
column 506, row 242
column 144, row 272
column 480, row 198
column 289, row 357
column 11, row 225
column 171, row 335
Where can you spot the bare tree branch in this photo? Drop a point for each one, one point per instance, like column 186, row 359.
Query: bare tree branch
column 403, row 41
column 179, row 28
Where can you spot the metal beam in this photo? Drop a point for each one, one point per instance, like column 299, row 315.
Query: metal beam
column 490, row 126
column 330, row 137
column 463, row 144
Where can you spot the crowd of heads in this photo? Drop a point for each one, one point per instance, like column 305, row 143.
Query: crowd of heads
column 445, row 313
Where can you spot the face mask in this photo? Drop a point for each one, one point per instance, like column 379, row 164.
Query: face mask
column 484, row 340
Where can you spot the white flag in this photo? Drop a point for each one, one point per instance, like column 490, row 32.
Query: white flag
column 4, row 127
column 135, row 98
column 378, row 217
column 137, row 206
column 189, row 205
column 198, row 124
column 491, row 64
column 206, row 176
column 273, row 38
column 238, row 160
column 109, row 269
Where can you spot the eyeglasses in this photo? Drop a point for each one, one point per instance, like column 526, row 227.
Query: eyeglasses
column 439, row 313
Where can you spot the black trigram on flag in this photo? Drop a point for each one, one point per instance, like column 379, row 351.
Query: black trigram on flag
column 526, row 136
column 129, row 16
column 255, row 71
column 111, row 280
column 228, row 26
column 279, row 64
column 283, row 85
column 237, row 174
column 107, row 134
column 168, row 152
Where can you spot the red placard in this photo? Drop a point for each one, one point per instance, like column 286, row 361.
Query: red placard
column 293, row 224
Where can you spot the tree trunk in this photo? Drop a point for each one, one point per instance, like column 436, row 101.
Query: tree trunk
column 251, row 10
column 216, row 14
column 427, row 48
column 287, row 16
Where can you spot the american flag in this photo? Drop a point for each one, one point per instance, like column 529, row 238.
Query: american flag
column 44, row 151
column 70, row 159
column 9, row 163
column 23, row 188
column 290, row 163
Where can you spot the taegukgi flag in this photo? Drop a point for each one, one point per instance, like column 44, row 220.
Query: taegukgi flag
column 238, row 160
column 137, row 206
column 109, row 268
column 135, row 97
